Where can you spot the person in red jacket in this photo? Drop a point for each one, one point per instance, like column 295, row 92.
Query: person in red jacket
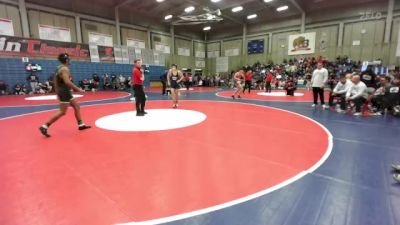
column 248, row 78
column 137, row 81
column 268, row 81
column 290, row 86
column 187, row 81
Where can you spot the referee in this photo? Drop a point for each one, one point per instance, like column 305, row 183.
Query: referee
column 138, row 79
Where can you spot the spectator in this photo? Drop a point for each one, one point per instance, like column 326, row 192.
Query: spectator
column 18, row 90
column 331, row 85
column 290, row 87
column 114, row 82
column 106, row 81
column 368, row 77
column 268, row 81
column 3, row 87
column 340, row 91
column 33, row 81
column 163, row 79
column 187, row 81
column 96, row 81
column 318, row 80
column 248, row 79
column 378, row 96
column 392, row 96
column 121, row 82
column 357, row 94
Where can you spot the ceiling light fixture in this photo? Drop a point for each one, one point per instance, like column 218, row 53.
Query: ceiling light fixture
column 266, row 1
column 159, row 1
column 282, row 8
column 252, row 16
column 237, row 9
column 207, row 28
column 215, row 0
column 168, row 17
column 189, row 9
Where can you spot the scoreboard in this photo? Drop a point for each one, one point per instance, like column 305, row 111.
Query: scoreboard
column 255, row 47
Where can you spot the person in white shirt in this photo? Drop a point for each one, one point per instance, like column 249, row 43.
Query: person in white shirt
column 357, row 94
column 318, row 80
column 340, row 92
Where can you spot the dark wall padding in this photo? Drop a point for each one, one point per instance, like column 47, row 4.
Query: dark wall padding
column 12, row 70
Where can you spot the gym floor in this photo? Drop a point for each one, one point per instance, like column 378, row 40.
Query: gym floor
column 235, row 162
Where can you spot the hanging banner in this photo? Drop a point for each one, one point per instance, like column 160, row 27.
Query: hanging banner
column 106, row 54
column 212, row 54
column 100, row 39
column 200, row 63
column 131, row 55
column 54, row 33
column 232, row 52
column 6, row 27
column 301, row 44
column 147, row 57
column 184, row 51
column 33, row 48
column 222, row 64
column 94, row 53
column 125, row 54
column 398, row 44
column 200, row 54
column 136, row 43
column 118, row 55
column 162, row 48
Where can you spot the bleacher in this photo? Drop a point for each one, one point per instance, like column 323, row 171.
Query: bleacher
column 12, row 70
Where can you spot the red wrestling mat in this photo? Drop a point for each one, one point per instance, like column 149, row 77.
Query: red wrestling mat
column 50, row 99
column 103, row 177
column 276, row 95
column 191, row 89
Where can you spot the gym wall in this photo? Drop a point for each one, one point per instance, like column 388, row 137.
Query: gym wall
column 96, row 27
column 37, row 17
column 127, row 33
column 12, row 13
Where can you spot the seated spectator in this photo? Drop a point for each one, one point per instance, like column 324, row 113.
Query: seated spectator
column 290, row 86
column 96, row 81
column 396, row 169
column 187, row 81
column 377, row 97
column 340, row 91
column 128, row 83
column 391, row 99
column 357, row 94
column 121, row 80
column 331, row 84
column 3, row 87
column 18, row 90
column 106, row 82
column 85, row 85
column 114, row 82
column 42, row 88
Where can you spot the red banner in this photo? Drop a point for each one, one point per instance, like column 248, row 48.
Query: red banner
column 25, row 47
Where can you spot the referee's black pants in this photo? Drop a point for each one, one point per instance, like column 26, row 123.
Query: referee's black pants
column 140, row 98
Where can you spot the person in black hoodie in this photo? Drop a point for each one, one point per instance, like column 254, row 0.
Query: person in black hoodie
column 369, row 78
column 163, row 79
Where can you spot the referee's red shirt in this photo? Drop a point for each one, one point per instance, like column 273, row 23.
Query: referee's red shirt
column 248, row 76
column 136, row 76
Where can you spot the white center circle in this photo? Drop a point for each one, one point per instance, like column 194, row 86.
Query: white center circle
column 278, row 94
column 47, row 97
column 154, row 120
